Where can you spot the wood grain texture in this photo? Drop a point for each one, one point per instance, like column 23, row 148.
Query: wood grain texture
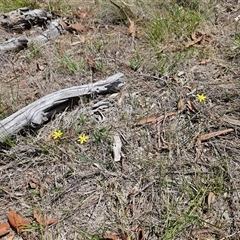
column 24, row 19
column 40, row 111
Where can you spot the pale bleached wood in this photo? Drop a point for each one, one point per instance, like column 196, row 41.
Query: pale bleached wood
column 23, row 19
column 40, row 111
column 53, row 31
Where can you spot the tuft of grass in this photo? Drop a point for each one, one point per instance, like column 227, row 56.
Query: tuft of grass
column 10, row 5
column 101, row 135
column 136, row 61
column 171, row 24
column 81, row 121
column 60, row 7
column 35, row 51
column 235, row 47
column 177, row 220
column 175, row 22
column 10, row 143
column 14, row 96
column 67, row 62
column 3, row 108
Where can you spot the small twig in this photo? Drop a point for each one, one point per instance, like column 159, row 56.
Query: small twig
column 150, row 76
column 143, row 189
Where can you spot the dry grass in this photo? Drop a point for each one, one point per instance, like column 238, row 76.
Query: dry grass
column 165, row 181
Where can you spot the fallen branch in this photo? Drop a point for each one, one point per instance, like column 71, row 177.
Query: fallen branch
column 23, row 19
column 54, row 30
column 40, row 111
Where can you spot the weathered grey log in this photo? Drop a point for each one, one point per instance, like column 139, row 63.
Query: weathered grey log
column 40, row 111
column 14, row 44
column 23, row 19
column 53, row 31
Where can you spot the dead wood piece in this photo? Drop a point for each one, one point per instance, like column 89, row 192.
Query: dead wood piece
column 40, row 111
column 23, row 18
column 14, row 44
column 54, row 30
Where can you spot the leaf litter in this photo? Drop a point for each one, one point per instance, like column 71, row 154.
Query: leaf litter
column 4, row 228
column 82, row 14
column 207, row 136
column 18, row 223
column 43, row 220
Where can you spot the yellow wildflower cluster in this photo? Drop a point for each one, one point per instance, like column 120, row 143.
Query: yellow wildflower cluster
column 58, row 134
column 82, row 138
column 201, row 97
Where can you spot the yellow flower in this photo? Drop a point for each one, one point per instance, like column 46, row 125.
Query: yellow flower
column 82, row 138
column 57, row 134
column 201, row 97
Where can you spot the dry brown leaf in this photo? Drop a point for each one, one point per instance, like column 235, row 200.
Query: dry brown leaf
column 14, row 219
column 141, row 234
column 4, row 228
column 181, row 105
column 42, row 220
column 36, row 184
column 210, row 199
column 3, row 108
column 32, row 185
column 82, row 14
column 197, row 40
column 212, row 134
column 17, row 222
column 64, row 25
column 191, row 106
column 231, row 121
column 41, row 190
column 90, row 60
column 10, row 237
column 111, row 237
column 155, row 118
column 131, row 28
column 123, row 236
column 78, row 27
